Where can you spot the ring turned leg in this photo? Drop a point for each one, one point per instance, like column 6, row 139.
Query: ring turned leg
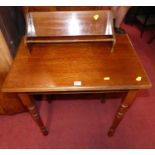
column 122, row 110
column 33, row 111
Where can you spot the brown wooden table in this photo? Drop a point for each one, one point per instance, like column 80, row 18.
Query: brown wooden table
column 77, row 68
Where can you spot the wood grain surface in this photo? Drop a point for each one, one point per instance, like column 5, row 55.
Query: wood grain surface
column 55, row 68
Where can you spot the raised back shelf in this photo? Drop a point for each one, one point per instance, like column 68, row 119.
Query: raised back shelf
column 69, row 26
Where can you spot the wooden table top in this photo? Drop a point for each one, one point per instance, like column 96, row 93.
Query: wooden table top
column 56, row 67
column 69, row 23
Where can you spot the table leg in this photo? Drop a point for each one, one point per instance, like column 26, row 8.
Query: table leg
column 49, row 98
column 151, row 40
column 122, row 110
column 103, row 99
column 33, row 111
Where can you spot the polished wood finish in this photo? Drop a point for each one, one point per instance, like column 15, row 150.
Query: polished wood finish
column 33, row 111
column 5, row 56
column 69, row 26
column 9, row 102
column 58, row 8
column 54, row 68
column 76, row 8
column 66, row 23
column 27, row 9
column 130, row 95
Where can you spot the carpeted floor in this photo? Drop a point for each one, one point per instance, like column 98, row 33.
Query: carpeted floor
column 83, row 122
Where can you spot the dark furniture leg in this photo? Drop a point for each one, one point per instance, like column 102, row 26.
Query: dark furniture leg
column 49, row 98
column 151, row 40
column 122, row 110
column 103, row 99
column 33, row 111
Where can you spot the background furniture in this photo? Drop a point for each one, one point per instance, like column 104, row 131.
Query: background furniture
column 11, row 30
column 152, row 38
column 12, row 25
column 145, row 18
column 9, row 103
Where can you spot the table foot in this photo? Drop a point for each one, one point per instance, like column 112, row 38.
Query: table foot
column 45, row 131
column 111, row 132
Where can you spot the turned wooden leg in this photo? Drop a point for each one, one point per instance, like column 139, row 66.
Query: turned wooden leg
column 33, row 111
column 122, row 110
